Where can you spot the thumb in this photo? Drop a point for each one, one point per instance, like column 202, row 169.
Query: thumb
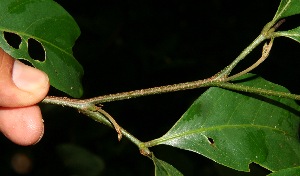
column 20, row 85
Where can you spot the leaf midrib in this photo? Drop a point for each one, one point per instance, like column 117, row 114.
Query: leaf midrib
column 192, row 132
column 283, row 9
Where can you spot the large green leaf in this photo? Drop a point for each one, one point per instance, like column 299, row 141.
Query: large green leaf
column 287, row 172
column 48, row 23
column 164, row 169
column 287, row 8
column 236, row 129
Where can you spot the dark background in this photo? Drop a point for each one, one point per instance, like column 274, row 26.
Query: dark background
column 129, row 44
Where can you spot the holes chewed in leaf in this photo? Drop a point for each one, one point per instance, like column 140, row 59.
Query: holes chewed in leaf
column 36, row 50
column 211, row 141
column 26, row 62
column 12, row 39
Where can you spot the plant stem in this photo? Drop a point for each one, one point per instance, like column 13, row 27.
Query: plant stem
column 89, row 108
column 265, row 54
column 226, row 71
column 75, row 103
column 86, row 103
column 102, row 119
column 150, row 91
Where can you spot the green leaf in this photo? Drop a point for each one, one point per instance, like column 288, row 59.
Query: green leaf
column 287, row 8
column 236, row 129
column 80, row 161
column 164, row 169
column 293, row 34
column 46, row 22
column 287, row 172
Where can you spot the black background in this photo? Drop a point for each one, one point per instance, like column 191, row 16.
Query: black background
column 127, row 45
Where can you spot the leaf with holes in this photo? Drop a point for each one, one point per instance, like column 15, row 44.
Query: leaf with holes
column 287, row 8
column 236, row 129
column 30, row 27
column 164, row 169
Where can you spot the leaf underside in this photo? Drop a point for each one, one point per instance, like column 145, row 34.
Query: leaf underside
column 292, row 34
column 162, row 168
column 236, row 129
column 49, row 24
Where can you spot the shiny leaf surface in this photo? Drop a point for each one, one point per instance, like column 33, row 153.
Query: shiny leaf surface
column 287, row 8
column 236, row 129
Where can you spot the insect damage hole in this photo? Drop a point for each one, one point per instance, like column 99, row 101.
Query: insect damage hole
column 36, row 50
column 211, row 140
column 12, row 39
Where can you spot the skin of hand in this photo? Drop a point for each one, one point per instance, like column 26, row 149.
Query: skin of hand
column 21, row 88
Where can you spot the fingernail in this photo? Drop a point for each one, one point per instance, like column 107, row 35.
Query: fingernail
column 28, row 78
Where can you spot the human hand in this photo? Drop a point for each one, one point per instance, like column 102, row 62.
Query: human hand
column 21, row 88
